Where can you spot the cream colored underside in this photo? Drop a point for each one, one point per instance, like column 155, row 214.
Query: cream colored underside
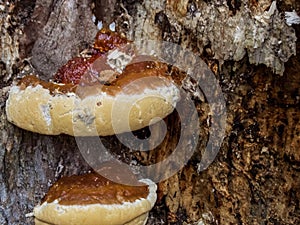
column 96, row 214
column 140, row 220
column 35, row 109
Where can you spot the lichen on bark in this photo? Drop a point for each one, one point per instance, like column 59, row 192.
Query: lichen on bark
column 258, row 31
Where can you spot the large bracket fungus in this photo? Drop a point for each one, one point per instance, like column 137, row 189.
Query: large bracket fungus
column 88, row 93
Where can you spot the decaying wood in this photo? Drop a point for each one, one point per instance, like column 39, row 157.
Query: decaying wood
column 255, row 178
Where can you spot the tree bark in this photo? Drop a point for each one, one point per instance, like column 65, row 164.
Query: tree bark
column 255, row 178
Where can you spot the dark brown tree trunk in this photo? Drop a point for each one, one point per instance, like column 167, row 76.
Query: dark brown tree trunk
column 255, row 178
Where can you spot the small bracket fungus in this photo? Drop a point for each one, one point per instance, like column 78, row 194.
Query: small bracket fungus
column 91, row 199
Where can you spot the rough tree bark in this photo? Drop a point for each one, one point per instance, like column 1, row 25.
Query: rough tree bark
column 255, row 178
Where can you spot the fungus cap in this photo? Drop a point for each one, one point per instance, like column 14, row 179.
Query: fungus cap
column 92, row 200
column 129, row 103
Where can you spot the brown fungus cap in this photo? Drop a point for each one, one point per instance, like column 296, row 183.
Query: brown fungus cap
column 91, row 199
column 107, row 40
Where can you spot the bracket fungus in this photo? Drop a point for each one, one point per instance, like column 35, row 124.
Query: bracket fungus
column 91, row 199
column 90, row 93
